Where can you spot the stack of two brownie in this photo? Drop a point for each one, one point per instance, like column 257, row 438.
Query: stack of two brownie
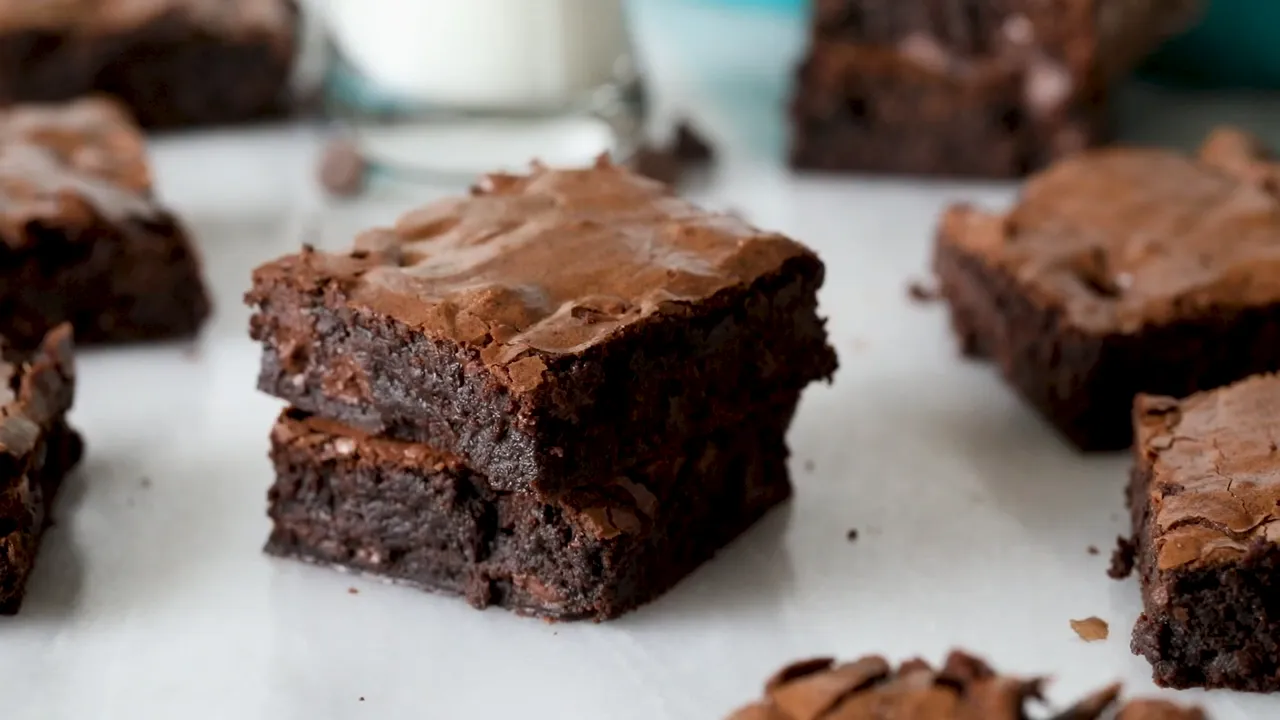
column 558, row 395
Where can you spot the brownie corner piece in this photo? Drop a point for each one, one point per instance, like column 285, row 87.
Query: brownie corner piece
column 410, row 514
column 547, row 327
column 82, row 237
column 1120, row 271
column 174, row 63
column 37, row 448
column 1205, row 503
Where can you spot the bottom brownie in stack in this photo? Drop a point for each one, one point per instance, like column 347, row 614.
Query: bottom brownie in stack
column 416, row 515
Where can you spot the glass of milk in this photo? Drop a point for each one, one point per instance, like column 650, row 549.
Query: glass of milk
column 452, row 88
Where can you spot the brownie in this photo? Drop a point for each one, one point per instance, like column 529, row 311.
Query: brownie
column 1205, row 500
column 964, row 688
column 82, row 237
column 412, row 514
column 173, row 62
column 987, row 88
column 548, row 328
column 37, row 449
column 1121, row 271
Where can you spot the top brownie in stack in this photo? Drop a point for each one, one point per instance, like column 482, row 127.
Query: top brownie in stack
column 991, row 88
column 547, row 328
column 174, row 62
column 82, row 238
column 1122, row 271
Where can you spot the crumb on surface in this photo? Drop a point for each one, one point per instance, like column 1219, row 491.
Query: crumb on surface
column 361, row 698
column 1091, row 629
column 343, row 168
column 352, row 591
column 852, row 535
column 1092, row 549
column 919, row 291
column 808, row 466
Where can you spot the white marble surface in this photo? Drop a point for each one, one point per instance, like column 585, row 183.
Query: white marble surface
column 152, row 599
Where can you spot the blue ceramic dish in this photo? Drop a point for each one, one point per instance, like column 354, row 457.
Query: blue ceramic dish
column 1236, row 45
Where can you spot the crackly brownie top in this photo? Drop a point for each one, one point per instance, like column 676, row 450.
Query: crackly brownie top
column 1214, row 468
column 103, row 16
column 553, row 262
column 1120, row 239
column 607, row 510
column 65, row 165
column 965, row 688
column 35, row 390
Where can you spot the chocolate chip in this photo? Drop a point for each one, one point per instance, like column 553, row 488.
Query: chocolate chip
column 690, row 146
column 343, row 168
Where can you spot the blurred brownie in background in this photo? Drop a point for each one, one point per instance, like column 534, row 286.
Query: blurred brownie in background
column 175, row 63
column 1122, row 271
column 82, row 237
column 987, row 88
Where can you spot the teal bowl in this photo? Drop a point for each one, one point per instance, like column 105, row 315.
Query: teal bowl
column 1236, row 45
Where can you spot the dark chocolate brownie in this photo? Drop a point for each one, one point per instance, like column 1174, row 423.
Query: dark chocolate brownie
column 965, row 688
column 1205, row 499
column 1118, row 272
column 37, row 449
column 548, row 328
column 82, row 238
column 412, row 514
column 174, row 62
column 991, row 88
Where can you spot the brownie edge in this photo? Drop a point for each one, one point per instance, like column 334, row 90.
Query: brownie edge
column 37, row 449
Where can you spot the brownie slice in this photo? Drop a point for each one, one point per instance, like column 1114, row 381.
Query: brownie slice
column 1118, row 272
column 964, row 688
column 548, row 328
column 1205, row 500
column 412, row 514
column 173, row 62
column 82, row 238
column 989, row 88
column 37, row 449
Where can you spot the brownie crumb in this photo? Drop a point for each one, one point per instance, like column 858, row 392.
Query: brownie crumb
column 691, row 146
column 361, row 698
column 1091, row 629
column 1122, row 559
column 852, row 535
column 352, row 591
column 657, row 164
column 343, row 168
column 1092, row 549
column 921, row 292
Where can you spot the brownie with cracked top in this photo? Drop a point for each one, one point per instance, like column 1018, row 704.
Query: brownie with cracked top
column 990, row 88
column 1122, row 271
column 406, row 512
column 548, row 328
column 173, row 62
column 37, row 449
column 83, row 238
column 1205, row 502
column 964, row 688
